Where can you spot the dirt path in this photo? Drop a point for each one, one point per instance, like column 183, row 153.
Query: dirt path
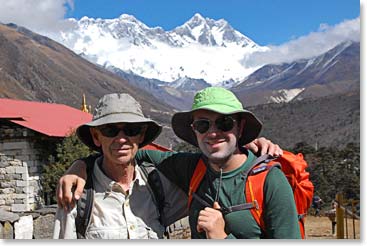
column 320, row 228
column 316, row 228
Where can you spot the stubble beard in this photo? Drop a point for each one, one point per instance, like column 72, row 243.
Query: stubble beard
column 219, row 158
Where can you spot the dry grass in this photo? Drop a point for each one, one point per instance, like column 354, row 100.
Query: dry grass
column 320, row 228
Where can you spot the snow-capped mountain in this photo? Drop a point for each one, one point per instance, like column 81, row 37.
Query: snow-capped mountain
column 201, row 48
column 333, row 72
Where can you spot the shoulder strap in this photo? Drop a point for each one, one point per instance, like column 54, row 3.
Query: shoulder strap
column 196, row 178
column 255, row 186
column 200, row 171
column 155, row 186
column 85, row 203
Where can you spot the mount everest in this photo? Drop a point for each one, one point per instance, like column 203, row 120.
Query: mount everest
column 201, row 48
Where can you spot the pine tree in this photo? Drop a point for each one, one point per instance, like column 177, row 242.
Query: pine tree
column 70, row 149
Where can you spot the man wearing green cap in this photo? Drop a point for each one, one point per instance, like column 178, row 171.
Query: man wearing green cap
column 220, row 127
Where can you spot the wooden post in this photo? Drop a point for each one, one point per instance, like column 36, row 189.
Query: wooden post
column 339, row 217
column 354, row 211
column 346, row 221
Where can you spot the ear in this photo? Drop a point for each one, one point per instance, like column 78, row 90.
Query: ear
column 241, row 126
column 95, row 136
column 142, row 134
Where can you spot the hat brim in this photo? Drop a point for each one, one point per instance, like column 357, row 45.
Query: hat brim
column 152, row 132
column 181, row 125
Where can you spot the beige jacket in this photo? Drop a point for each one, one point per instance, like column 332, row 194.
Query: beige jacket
column 117, row 215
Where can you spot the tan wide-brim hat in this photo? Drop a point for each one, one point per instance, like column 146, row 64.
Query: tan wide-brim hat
column 221, row 101
column 118, row 108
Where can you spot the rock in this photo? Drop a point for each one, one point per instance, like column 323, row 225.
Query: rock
column 43, row 227
column 24, row 228
column 7, row 231
column 8, row 216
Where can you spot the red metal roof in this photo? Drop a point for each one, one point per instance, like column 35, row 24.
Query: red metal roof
column 55, row 120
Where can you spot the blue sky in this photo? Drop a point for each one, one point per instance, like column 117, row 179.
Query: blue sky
column 264, row 21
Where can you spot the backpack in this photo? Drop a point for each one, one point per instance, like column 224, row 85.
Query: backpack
column 85, row 203
column 294, row 168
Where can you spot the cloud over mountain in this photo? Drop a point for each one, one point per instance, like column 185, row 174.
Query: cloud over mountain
column 308, row 46
column 36, row 15
column 201, row 48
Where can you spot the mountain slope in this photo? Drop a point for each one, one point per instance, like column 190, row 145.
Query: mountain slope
column 33, row 67
column 331, row 121
column 335, row 71
column 178, row 94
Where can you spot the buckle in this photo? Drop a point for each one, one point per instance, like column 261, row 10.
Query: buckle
column 255, row 204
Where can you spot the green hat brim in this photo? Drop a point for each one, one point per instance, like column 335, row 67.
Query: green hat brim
column 181, row 124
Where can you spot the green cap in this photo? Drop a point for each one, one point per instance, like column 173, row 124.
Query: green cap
column 219, row 100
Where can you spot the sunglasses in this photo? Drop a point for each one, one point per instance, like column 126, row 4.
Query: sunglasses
column 224, row 123
column 130, row 130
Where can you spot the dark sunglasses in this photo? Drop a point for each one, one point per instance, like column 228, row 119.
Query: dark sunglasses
column 130, row 130
column 224, row 123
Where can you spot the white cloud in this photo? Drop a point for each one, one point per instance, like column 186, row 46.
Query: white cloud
column 308, row 46
column 36, row 15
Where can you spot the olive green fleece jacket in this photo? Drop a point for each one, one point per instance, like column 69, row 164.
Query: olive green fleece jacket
column 281, row 218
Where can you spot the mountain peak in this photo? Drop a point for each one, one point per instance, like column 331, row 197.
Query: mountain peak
column 196, row 20
column 126, row 37
column 127, row 17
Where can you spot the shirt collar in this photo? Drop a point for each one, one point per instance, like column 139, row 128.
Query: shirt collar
column 106, row 182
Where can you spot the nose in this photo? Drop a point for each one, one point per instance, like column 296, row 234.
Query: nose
column 213, row 130
column 121, row 137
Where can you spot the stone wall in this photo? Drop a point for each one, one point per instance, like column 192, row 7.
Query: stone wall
column 20, row 169
column 39, row 225
column 30, row 225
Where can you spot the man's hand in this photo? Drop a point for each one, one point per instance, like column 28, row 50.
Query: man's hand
column 212, row 222
column 264, row 146
column 74, row 177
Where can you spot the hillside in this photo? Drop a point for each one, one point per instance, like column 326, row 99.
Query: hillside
column 327, row 121
column 334, row 72
column 36, row 68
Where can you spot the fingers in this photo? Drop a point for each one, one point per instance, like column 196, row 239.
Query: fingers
column 264, row 146
column 67, row 194
column 216, row 205
column 59, row 196
column 252, row 146
column 212, row 222
column 65, row 197
column 276, row 151
column 79, row 188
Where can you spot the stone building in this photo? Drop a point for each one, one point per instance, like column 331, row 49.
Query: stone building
column 27, row 129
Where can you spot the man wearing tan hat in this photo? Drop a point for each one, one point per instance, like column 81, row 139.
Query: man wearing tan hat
column 122, row 205
column 220, row 127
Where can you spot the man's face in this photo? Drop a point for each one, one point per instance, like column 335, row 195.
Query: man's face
column 119, row 142
column 217, row 144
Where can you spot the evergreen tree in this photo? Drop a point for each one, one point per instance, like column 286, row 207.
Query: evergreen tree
column 70, row 149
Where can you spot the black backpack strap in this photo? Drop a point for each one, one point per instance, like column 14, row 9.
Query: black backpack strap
column 85, row 203
column 155, row 186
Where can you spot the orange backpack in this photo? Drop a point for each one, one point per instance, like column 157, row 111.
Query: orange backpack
column 294, row 168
